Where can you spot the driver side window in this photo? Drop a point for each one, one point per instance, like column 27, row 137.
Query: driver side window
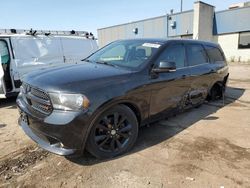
column 173, row 53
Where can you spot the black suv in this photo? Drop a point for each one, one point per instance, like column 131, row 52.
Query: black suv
column 99, row 103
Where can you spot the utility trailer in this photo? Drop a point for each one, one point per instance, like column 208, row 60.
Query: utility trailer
column 23, row 51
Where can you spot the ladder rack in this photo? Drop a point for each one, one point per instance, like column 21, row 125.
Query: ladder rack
column 47, row 32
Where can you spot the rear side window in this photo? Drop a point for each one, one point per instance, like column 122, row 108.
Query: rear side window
column 174, row 53
column 214, row 54
column 196, row 54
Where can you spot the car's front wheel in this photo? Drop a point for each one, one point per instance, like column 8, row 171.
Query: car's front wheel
column 113, row 133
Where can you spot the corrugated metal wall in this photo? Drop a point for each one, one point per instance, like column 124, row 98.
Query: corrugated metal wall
column 231, row 21
column 228, row 21
column 183, row 22
column 157, row 27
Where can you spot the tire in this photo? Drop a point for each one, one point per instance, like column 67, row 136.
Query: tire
column 113, row 133
column 216, row 92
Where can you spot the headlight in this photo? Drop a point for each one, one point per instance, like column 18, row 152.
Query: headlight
column 22, row 89
column 64, row 101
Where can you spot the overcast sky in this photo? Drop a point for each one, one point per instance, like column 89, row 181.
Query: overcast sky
column 88, row 15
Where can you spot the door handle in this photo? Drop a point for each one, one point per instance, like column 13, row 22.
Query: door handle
column 212, row 70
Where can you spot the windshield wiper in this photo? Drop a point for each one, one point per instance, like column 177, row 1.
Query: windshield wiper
column 100, row 62
column 105, row 63
column 87, row 60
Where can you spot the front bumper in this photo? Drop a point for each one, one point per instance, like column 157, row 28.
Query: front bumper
column 62, row 132
column 54, row 148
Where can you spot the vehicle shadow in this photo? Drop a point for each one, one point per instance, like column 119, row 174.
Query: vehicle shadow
column 163, row 130
column 9, row 103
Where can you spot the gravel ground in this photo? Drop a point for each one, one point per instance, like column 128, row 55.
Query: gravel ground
column 207, row 146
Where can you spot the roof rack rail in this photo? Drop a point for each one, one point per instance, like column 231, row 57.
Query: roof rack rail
column 47, row 32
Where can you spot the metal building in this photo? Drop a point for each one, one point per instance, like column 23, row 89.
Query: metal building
column 230, row 28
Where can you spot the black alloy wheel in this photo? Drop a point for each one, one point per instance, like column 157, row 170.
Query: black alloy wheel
column 113, row 133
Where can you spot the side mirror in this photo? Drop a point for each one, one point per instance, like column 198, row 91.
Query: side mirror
column 165, row 66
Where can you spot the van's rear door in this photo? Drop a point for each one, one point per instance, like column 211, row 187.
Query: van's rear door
column 34, row 53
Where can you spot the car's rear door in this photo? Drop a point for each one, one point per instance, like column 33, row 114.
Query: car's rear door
column 200, row 72
column 217, row 62
column 170, row 89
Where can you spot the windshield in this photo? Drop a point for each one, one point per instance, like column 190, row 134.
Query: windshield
column 130, row 54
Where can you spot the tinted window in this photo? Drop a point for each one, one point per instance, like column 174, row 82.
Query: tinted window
column 244, row 40
column 127, row 53
column 196, row 54
column 116, row 53
column 148, row 51
column 214, row 54
column 174, row 53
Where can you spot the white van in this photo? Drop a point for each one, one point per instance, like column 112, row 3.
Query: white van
column 23, row 51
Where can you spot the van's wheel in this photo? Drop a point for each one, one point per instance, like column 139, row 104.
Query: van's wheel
column 113, row 133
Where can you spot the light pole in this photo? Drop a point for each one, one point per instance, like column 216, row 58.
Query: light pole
column 181, row 5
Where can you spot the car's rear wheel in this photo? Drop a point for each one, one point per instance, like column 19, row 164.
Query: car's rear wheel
column 113, row 133
column 216, row 92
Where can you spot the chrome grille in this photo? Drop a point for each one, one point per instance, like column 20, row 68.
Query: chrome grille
column 39, row 94
column 37, row 99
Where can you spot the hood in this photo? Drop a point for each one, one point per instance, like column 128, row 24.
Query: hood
column 72, row 77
